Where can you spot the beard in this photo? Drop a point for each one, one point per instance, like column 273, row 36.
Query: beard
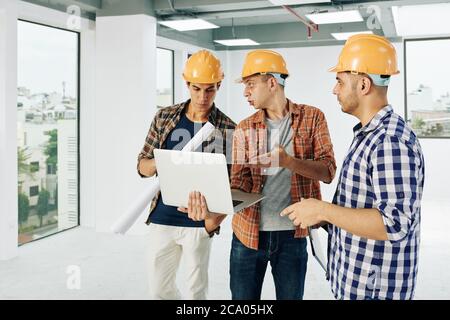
column 349, row 104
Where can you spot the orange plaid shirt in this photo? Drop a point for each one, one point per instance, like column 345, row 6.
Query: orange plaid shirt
column 311, row 141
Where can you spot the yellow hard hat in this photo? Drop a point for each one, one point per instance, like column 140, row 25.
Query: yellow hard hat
column 263, row 61
column 203, row 67
column 367, row 53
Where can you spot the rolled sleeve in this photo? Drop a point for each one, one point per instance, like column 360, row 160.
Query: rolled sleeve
column 152, row 141
column 323, row 148
column 395, row 180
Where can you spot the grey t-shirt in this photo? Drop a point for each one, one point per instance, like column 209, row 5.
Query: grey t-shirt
column 277, row 187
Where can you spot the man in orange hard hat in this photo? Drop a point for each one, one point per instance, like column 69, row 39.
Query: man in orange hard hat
column 281, row 151
column 174, row 234
column 374, row 219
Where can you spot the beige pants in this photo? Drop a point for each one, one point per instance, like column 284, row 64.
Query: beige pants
column 167, row 244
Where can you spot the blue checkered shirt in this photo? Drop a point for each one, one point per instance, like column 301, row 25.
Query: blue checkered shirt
column 384, row 169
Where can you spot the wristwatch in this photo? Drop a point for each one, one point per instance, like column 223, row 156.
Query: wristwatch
column 213, row 232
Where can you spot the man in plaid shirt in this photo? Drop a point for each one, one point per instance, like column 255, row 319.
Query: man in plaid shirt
column 374, row 230
column 173, row 233
column 282, row 151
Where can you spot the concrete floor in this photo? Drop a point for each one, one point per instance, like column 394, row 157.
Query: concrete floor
column 113, row 266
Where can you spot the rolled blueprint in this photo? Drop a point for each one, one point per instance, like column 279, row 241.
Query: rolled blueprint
column 124, row 223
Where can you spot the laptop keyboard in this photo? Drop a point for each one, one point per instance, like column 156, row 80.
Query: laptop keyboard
column 236, row 203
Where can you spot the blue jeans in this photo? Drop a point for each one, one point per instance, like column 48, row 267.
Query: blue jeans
column 287, row 256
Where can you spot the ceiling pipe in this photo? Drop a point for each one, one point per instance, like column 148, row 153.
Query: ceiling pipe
column 177, row 12
column 309, row 25
column 172, row 6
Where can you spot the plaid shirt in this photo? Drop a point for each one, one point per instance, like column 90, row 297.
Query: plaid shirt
column 311, row 141
column 166, row 120
column 384, row 169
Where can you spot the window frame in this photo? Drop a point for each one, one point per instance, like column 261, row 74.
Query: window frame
column 405, row 78
column 78, row 94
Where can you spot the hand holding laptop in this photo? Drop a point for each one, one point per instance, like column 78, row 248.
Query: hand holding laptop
column 197, row 209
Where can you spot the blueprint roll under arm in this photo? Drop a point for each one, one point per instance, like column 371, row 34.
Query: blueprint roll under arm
column 142, row 202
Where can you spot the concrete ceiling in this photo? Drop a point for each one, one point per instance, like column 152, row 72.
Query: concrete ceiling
column 271, row 25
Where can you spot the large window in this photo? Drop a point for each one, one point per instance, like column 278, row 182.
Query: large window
column 164, row 77
column 427, row 87
column 47, row 130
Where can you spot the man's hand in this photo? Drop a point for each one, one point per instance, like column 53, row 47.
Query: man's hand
column 306, row 213
column 278, row 157
column 147, row 167
column 197, row 210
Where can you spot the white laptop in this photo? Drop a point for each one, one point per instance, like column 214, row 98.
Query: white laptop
column 181, row 172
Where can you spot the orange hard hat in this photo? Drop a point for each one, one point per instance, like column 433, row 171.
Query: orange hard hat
column 203, row 67
column 263, row 61
column 367, row 53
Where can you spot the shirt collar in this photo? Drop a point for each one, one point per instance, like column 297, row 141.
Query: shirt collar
column 374, row 123
column 261, row 115
column 212, row 116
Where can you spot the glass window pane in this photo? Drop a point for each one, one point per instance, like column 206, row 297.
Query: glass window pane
column 427, row 88
column 47, row 130
column 164, row 80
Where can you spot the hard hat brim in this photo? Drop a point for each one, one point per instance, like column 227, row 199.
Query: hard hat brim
column 338, row 69
column 241, row 78
column 334, row 69
column 202, row 81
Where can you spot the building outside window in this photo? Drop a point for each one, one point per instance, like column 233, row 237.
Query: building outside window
column 34, row 191
column 427, row 90
column 34, row 166
column 47, row 130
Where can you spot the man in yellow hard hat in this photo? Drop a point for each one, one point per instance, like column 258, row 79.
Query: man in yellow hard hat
column 281, row 151
column 374, row 219
column 173, row 234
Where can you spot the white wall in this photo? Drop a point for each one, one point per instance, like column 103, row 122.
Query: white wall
column 310, row 83
column 125, row 104
column 8, row 129
column 222, row 96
